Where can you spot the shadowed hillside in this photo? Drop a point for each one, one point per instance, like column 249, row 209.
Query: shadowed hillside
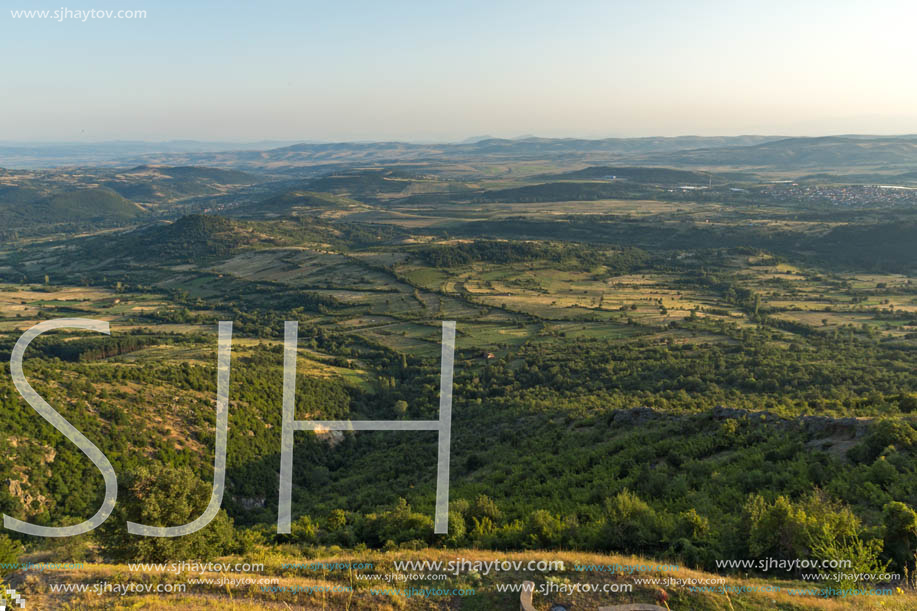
column 25, row 206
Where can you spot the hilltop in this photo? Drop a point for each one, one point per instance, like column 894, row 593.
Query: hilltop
column 190, row 238
column 79, row 199
column 161, row 183
column 26, row 206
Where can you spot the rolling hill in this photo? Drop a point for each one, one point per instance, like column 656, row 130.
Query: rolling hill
column 355, row 153
column 35, row 202
column 88, row 204
column 189, row 238
column 887, row 153
column 762, row 152
column 159, row 183
column 26, row 206
column 650, row 175
column 297, row 201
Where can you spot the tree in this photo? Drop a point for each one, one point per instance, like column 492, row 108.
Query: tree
column 159, row 495
column 304, row 530
column 543, row 529
column 484, row 507
column 631, row 525
column 900, row 524
column 907, row 403
column 787, row 530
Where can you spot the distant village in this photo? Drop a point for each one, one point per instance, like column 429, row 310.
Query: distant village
column 843, row 195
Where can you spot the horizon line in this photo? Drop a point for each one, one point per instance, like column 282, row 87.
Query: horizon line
column 467, row 140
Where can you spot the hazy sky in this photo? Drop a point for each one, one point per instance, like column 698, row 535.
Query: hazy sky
column 439, row 70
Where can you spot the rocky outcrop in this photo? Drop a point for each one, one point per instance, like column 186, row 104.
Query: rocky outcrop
column 19, row 489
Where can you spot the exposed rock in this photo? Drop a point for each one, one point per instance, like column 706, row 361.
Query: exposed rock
column 49, row 456
column 25, row 497
column 249, row 503
column 332, row 438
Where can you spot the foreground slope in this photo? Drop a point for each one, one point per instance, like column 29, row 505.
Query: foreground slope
column 385, row 581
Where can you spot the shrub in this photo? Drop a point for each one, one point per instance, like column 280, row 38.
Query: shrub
column 862, row 555
column 632, row 526
column 10, row 550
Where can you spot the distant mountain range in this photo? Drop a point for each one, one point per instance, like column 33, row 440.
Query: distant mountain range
column 742, row 152
column 32, row 155
column 268, row 155
column 888, row 153
column 848, row 152
column 569, row 150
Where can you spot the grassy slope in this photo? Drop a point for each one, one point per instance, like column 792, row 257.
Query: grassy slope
column 36, row 586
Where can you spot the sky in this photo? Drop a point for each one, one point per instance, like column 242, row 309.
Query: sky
column 440, row 70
